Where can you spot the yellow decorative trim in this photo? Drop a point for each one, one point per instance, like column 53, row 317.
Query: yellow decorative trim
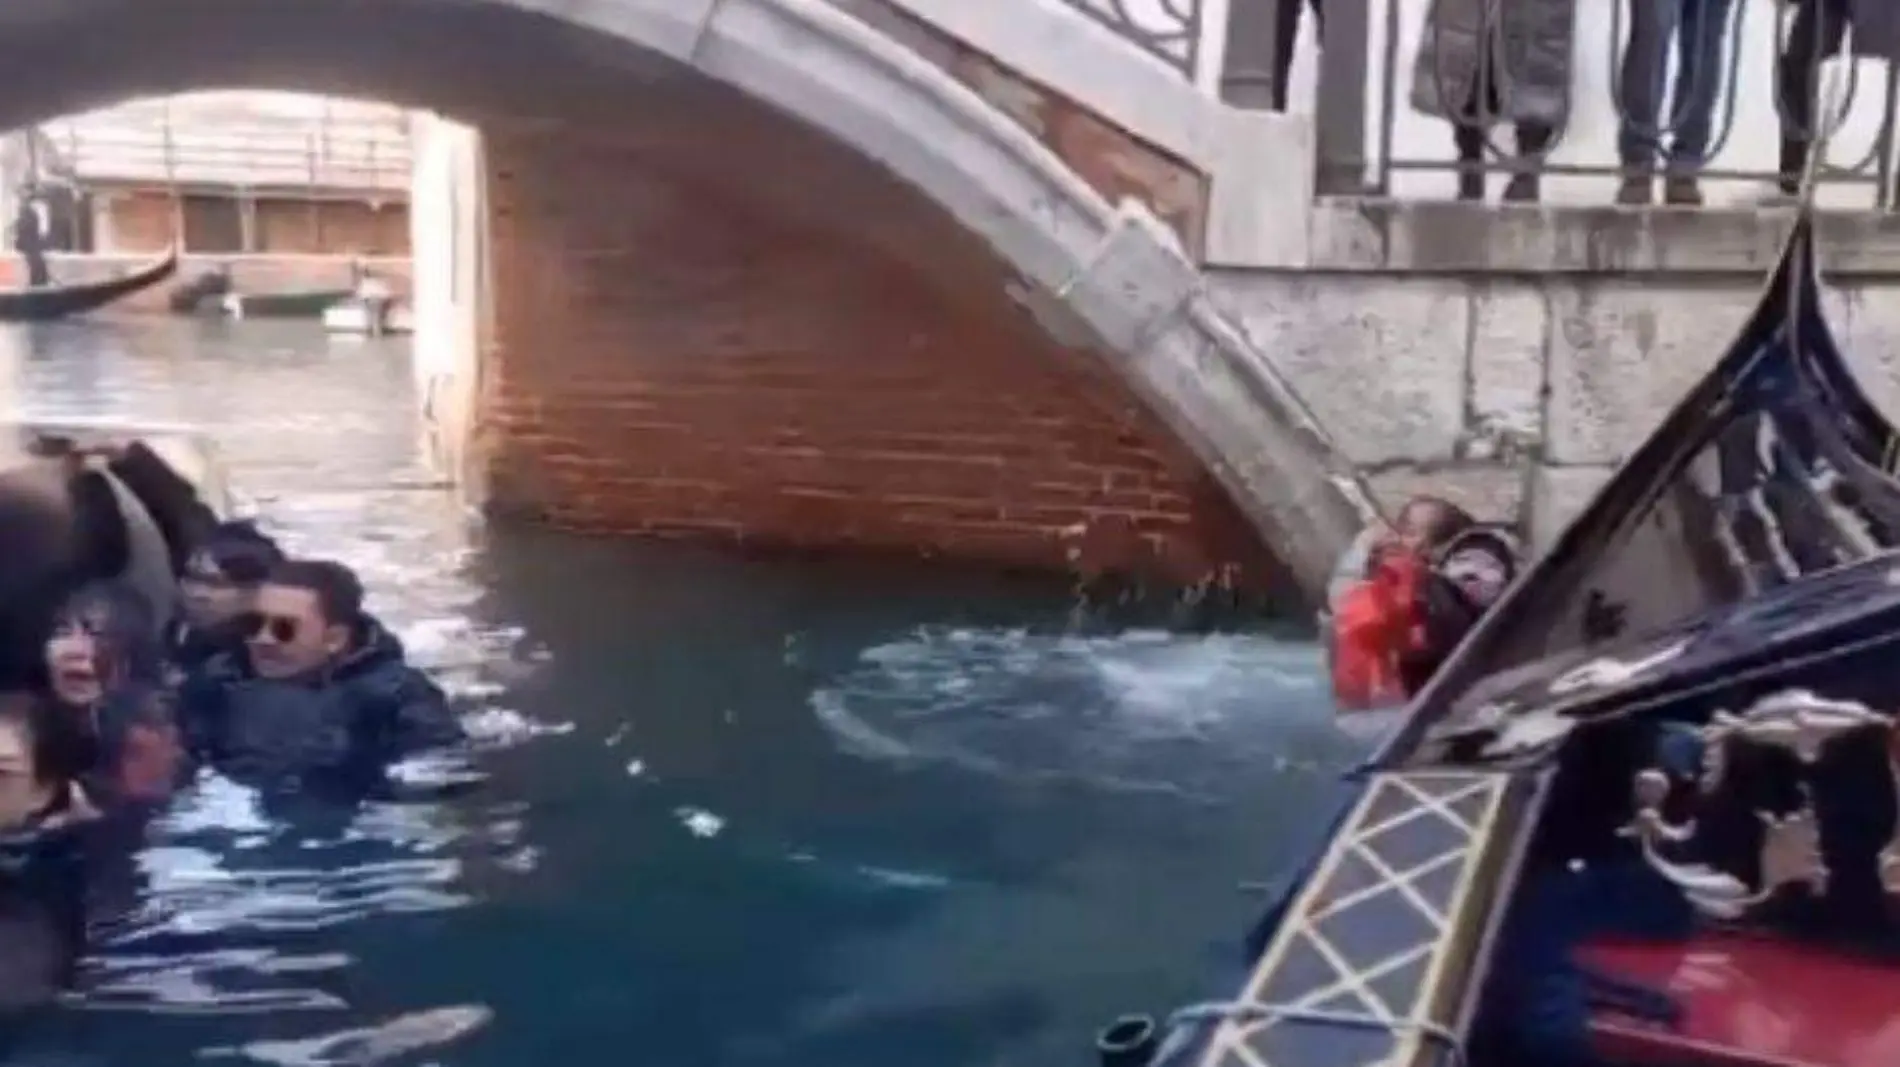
column 1427, row 803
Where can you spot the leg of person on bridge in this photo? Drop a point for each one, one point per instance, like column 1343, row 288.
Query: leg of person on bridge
column 1470, row 133
column 1639, row 91
column 1286, row 39
column 1820, row 27
column 1699, row 52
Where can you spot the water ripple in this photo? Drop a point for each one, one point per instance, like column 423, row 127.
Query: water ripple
column 1113, row 712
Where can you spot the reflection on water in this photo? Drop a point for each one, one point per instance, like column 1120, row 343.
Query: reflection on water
column 733, row 812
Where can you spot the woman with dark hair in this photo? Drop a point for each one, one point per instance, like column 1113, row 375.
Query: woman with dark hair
column 105, row 679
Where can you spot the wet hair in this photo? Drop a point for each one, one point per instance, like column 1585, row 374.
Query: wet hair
column 338, row 590
column 123, row 626
column 1435, row 519
column 58, row 748
column 241, row 552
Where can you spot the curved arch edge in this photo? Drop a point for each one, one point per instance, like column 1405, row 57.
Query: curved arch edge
column 1117, row 268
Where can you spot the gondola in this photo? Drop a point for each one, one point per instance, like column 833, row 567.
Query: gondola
column 48, row 302
column 1648, row 813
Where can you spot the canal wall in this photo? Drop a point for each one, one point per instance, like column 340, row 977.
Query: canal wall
column 452, row 295
column 1511, row 358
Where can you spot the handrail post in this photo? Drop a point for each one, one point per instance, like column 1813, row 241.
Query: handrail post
column 1247, row 77
column 1339, row 119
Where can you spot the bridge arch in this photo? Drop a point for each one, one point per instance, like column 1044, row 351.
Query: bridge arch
column 700, row 90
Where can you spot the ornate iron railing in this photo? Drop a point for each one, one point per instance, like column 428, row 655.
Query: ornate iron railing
column 1169, row 30
column 1853, row 110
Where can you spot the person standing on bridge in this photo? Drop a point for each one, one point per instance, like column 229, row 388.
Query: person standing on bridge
column 1824, row 30
column 1480, row 64
column 1698, row 29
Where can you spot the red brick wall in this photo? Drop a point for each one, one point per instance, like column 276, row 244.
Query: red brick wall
column 145, row 221
column 339, row 227
column 139, row 221
column 669, row 363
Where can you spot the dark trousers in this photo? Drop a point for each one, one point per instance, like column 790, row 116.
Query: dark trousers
column 1286, row 34
column 1818, row 31
column 36, row 273
column 1469, row 134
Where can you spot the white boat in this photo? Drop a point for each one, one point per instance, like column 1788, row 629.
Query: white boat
column 372, row 310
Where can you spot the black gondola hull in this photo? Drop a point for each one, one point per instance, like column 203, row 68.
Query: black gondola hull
column 51, row 302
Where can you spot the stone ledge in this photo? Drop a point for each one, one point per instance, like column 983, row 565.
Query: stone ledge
column 1444, row 237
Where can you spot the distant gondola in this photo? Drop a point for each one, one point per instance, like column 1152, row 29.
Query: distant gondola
column 1648, row 813
column 48, row 302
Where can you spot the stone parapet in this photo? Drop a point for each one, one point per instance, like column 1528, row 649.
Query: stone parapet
column 1511, row 359
column 1435, row 237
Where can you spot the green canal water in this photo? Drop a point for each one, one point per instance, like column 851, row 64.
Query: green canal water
column 736, row 812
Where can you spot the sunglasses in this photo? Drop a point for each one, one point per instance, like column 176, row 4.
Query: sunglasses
column 282, row 629
column 208, row 578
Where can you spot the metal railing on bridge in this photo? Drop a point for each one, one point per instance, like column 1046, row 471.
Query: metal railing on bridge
column 1169, row 30
column 351, row 153
column 1401, row 114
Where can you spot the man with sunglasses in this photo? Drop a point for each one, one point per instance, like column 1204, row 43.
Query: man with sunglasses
column 319, row 686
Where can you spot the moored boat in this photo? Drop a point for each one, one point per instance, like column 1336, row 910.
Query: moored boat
column 289, row 304
column 372, row 310
column 1647, row 811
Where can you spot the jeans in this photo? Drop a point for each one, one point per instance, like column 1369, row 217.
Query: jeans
column 1698, row 29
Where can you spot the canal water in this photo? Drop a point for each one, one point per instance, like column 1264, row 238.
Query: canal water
column 735, row 811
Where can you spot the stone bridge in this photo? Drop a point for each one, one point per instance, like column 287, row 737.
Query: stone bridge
column 1011, row 280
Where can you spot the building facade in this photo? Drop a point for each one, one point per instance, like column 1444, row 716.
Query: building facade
column 228, row 173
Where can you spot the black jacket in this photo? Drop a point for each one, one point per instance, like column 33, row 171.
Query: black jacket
column 350, row 721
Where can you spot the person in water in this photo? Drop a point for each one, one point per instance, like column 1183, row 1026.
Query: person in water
column 319, row 687
column 105, row 681
column 217, row 587
column 1425, row 583
column 39, row 774
column 42, row 882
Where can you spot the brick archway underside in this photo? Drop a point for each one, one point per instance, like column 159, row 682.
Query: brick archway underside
column 709, row 319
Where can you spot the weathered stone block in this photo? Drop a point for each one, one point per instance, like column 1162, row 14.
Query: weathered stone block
column 1381, row 364
column 1136, row 278
column 1490, row 492
column 1566, row 240
column 1510, row 343
column 1622, row 355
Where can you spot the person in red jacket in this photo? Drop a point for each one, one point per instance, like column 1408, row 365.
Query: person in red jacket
column 1422, row 587
column 1375, row 623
